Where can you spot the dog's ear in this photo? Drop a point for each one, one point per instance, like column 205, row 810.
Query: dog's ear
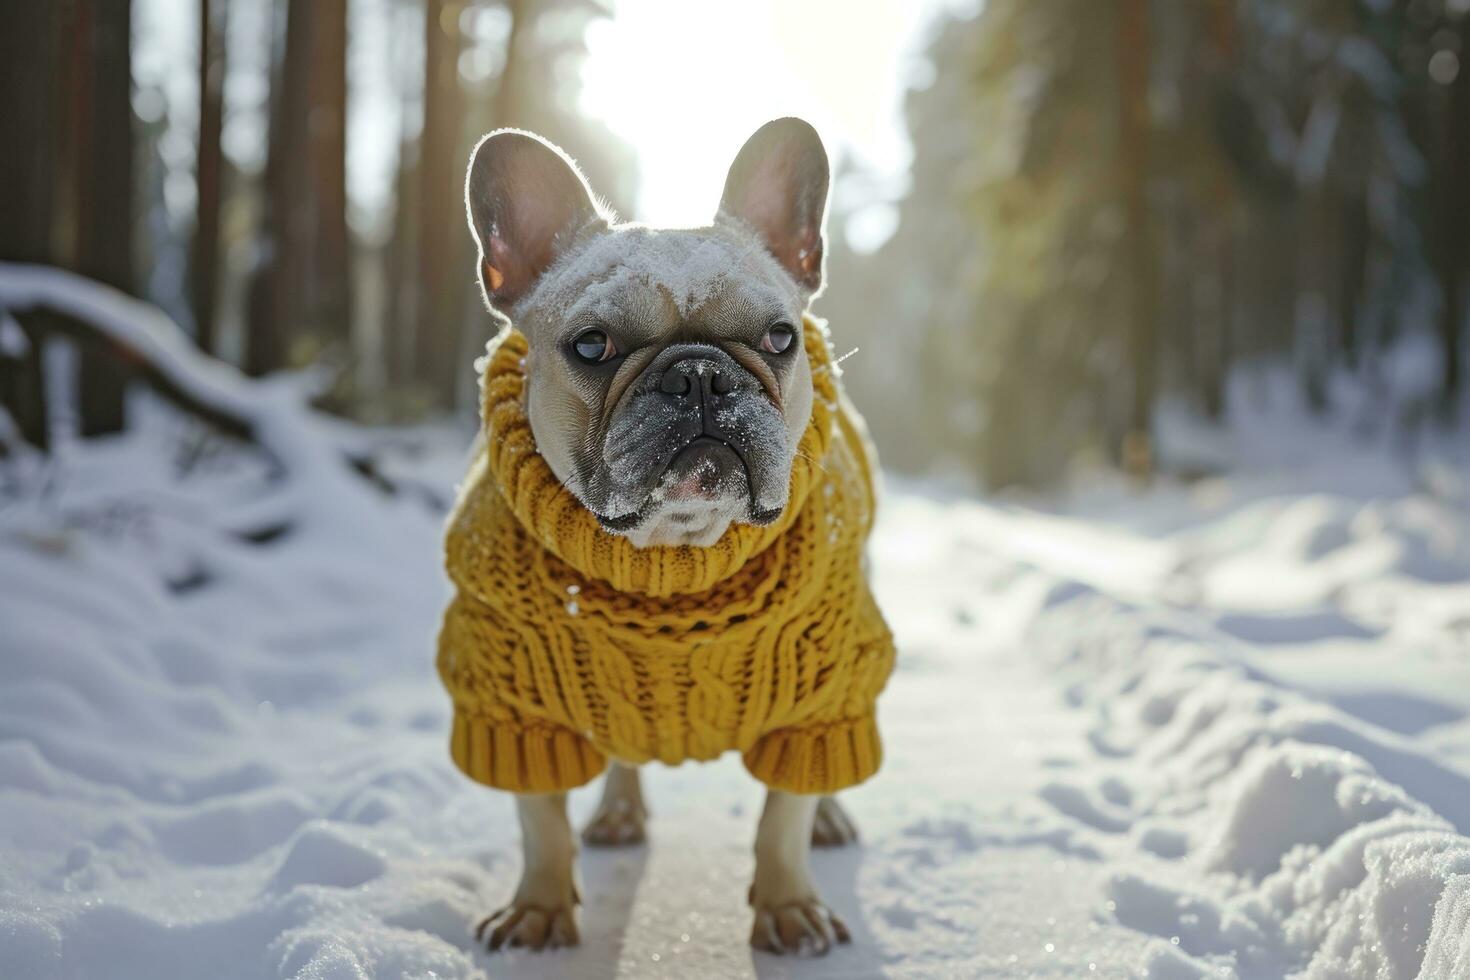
column 778, row 186
column 525, row 200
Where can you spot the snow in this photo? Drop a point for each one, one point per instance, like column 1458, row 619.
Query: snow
column 592, row 278
column 1218, row 729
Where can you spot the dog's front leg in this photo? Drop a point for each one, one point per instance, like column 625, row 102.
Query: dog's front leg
column 789, row 916
column 544, row 910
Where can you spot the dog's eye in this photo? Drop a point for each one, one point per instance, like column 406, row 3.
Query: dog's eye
column 778, row 339
column 594, row 346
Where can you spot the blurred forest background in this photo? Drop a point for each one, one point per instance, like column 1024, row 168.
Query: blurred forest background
column 1113, row 207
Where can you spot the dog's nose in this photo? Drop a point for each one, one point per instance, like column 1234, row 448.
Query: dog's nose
column 695, row 378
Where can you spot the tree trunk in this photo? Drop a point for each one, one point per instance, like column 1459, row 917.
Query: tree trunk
column 508, row 88
column 1352, row 277
column 303, row 303
column 403, row 271
column 1315, row 304
column 1142, row 257
column 1454, row 214
column 27, row 186
column 98, row 165
column 1224, row 36
column 68, row 178
column 441, row 230
column 204, row 254
column 330, row 297
column 270, row 296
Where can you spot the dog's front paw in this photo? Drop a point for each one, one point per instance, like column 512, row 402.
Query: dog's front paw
column 806, row 928
column 616, row 823
column 521, row 925
column 832, row 827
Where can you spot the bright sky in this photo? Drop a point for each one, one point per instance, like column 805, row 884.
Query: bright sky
column 686, row 81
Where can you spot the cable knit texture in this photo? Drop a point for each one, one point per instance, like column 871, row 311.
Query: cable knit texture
column 565, row 644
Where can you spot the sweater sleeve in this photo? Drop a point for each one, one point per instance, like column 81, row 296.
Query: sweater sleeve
column 494, row 740
column 822, row 757
column 838, row 746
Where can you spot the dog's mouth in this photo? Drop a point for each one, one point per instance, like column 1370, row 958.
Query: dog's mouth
column 708, row 468
column 704, row 470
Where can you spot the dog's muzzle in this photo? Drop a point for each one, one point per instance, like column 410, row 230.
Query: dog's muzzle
column 712, row 408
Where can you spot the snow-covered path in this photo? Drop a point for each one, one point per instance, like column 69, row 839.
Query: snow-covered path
column 1169, row 737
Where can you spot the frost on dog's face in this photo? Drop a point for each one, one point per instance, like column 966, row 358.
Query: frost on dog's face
column 667, row 382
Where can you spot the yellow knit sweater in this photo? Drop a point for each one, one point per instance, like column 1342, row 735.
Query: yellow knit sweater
column 565, row 644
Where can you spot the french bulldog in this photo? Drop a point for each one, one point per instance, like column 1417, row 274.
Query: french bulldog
column 667, row 387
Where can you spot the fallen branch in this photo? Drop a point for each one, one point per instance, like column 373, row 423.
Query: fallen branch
column 139, row 334
column 273, row 418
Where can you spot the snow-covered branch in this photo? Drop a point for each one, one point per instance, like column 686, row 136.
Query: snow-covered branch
column 143, row 337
